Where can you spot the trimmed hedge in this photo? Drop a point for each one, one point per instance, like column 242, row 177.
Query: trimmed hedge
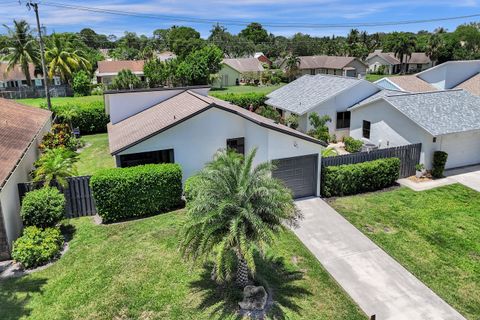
column 360, row 177
column 438, row 165
column 242, row 99
column 37, row 246
column 352, row 145
column 123, row 193
column 43, row 208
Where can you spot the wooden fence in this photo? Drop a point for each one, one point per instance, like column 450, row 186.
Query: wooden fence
column 409, row 156
column 79, row 199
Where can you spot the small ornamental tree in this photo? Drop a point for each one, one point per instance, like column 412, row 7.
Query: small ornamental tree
column 319, row 124
column 125, row 80
column 81, row 85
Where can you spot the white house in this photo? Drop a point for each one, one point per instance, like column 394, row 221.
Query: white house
column 440, row 120
column 334, row 65
column 109, row 69
column 21, row 131
column 239, row 70
column 185, row 126
column 324, row 95
column 417, row 62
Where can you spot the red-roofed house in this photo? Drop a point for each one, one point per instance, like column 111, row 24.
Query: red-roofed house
column 107, row 70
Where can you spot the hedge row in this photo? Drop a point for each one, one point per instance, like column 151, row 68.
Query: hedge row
column 123, row 193
column 360, row 177
column 242, row 99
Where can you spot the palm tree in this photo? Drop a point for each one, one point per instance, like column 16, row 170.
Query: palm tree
column 403, row 49
column 22, row 48
column 68, row 114
column 434, row 45
column 236, row 210
column 292, row 64
column 62, row 58
column 56, row 165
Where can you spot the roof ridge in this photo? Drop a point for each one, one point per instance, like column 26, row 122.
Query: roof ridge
column 427, row 92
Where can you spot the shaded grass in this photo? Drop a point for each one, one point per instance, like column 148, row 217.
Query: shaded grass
column 247, row 89
column 60, row 100
column 133, row 270
column 435, row 234
column 95, row 155
column 374, row 77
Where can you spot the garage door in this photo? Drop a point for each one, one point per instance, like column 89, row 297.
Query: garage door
column 463, row 149
column 299, row 174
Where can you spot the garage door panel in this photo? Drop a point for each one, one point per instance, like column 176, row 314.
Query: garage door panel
column 299, row 174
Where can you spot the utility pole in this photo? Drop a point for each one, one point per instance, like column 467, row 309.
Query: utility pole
column 34, row 5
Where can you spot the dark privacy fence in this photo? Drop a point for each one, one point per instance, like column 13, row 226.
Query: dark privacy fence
column 79, row 199
column 409, row 156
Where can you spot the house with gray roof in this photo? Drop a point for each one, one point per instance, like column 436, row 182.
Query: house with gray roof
column 445, row 120
column 324, row 95
column 238, row 71
column 391, row 64
column 333, row 65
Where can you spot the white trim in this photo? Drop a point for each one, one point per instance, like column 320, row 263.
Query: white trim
column 391, row 82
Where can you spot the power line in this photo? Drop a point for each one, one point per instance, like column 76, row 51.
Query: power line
column 244, row 23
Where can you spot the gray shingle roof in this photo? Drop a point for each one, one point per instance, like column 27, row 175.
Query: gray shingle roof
column 379, row 94
column 440, row 112
column 308, row 91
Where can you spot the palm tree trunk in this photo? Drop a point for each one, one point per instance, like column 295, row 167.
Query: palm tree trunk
column 242, row 272
column 26, row 71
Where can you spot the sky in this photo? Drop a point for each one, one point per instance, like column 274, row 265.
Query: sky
column 264, row 11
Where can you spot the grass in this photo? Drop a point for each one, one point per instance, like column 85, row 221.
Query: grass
column 133, row 270
column 435, row 234
column 374, row 77
column 60, row 100
column 95, row 155
column 248, row 89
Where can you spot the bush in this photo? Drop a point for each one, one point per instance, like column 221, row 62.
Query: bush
column 81, row 84
column 37, row 246
column 60, row 135
column 122, row 193
column 243, row 99
column 43, row 208
column 189, row 189
column 352, row 145
column 360, row 177
column 439, row 161
column 90, row 117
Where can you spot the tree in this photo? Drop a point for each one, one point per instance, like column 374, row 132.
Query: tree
column 125, row 80
column 21, row 48
column 237, row 209
column 157, row 72
column 319, row 124
column 403, row 48
column 64, row 58
column 56, row 165
column 184, row 40
column 81, row 83
column 292, row 64
column 255, row 33
column 434, row 46
column 199, row 65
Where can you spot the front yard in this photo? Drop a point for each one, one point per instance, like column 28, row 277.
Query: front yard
column 133, row 270
column 37, row 102
column 248, row 89
column 95, row 155
column 435, row 234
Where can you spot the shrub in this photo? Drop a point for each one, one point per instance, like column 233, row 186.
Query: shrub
column 37, row 246
column 43, row 208
column 439, row 161
column 125, row 80
column 360, row 177
column 89, row 118
column 189, row 189
column 122, row 193
column 243, row 99
column 60, row 135
column 81, row 84
column 320, row 128
column 352, row 145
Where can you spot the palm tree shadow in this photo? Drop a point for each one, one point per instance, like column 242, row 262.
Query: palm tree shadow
column 15, row 294
column 281, row 283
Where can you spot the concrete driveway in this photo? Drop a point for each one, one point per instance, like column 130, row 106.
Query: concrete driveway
column 468, row 176
column 374, row 280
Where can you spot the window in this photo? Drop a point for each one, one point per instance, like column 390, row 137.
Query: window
column 136, row 159
column 312, row 72
column 366, row 129
column 434, row 139
column 237, row 144
column 343, row 120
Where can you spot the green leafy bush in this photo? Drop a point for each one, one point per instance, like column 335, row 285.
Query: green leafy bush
column 352, row 145
column 189, row 189
column 360, row 177
column 37, row 246
column 122, row 193
column 60, row 135
column 82, row 84
column 43, row 207
column 243, row 100
column 439, row 161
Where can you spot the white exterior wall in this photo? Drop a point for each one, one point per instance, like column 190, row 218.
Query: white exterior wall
column 196, row 140
column 375, row 62
column 463, row 148
column 9, row 198
column 450, row 74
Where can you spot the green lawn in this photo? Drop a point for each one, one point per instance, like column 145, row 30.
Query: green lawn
column 95, row 155
column 435, row 234
column 247, row 89
column 60, row 100
column 133, row 270
column 375, row 77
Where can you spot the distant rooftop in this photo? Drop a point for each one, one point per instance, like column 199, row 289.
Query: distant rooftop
column 244, row 64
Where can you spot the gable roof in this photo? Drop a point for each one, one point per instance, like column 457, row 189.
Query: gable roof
column 385, row 56
column 19, row 125
column 16, row 73
column 471, row 85
column 410, row 83
column 307, row 92
column 244, row 64
column 106, row 67
column 415, row 58
column 378, row 95
column 327, row 62
column 175, row 110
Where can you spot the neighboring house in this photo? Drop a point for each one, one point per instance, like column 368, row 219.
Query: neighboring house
column 21, row 131
column 463, row 74
column 377, row 60
column 262, row 58
column 334, row 65
column 236, row 71
column 441, row 120
column 324, row 95
column 107, row 70
column 15, row 78
column 165, row 55
column 185, row 126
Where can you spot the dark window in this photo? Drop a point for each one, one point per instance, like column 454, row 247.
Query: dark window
column 312, row 72
column 343, row 120
column 366, row 129
column 434, row 139
column 136, row 159
column 237, row 144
